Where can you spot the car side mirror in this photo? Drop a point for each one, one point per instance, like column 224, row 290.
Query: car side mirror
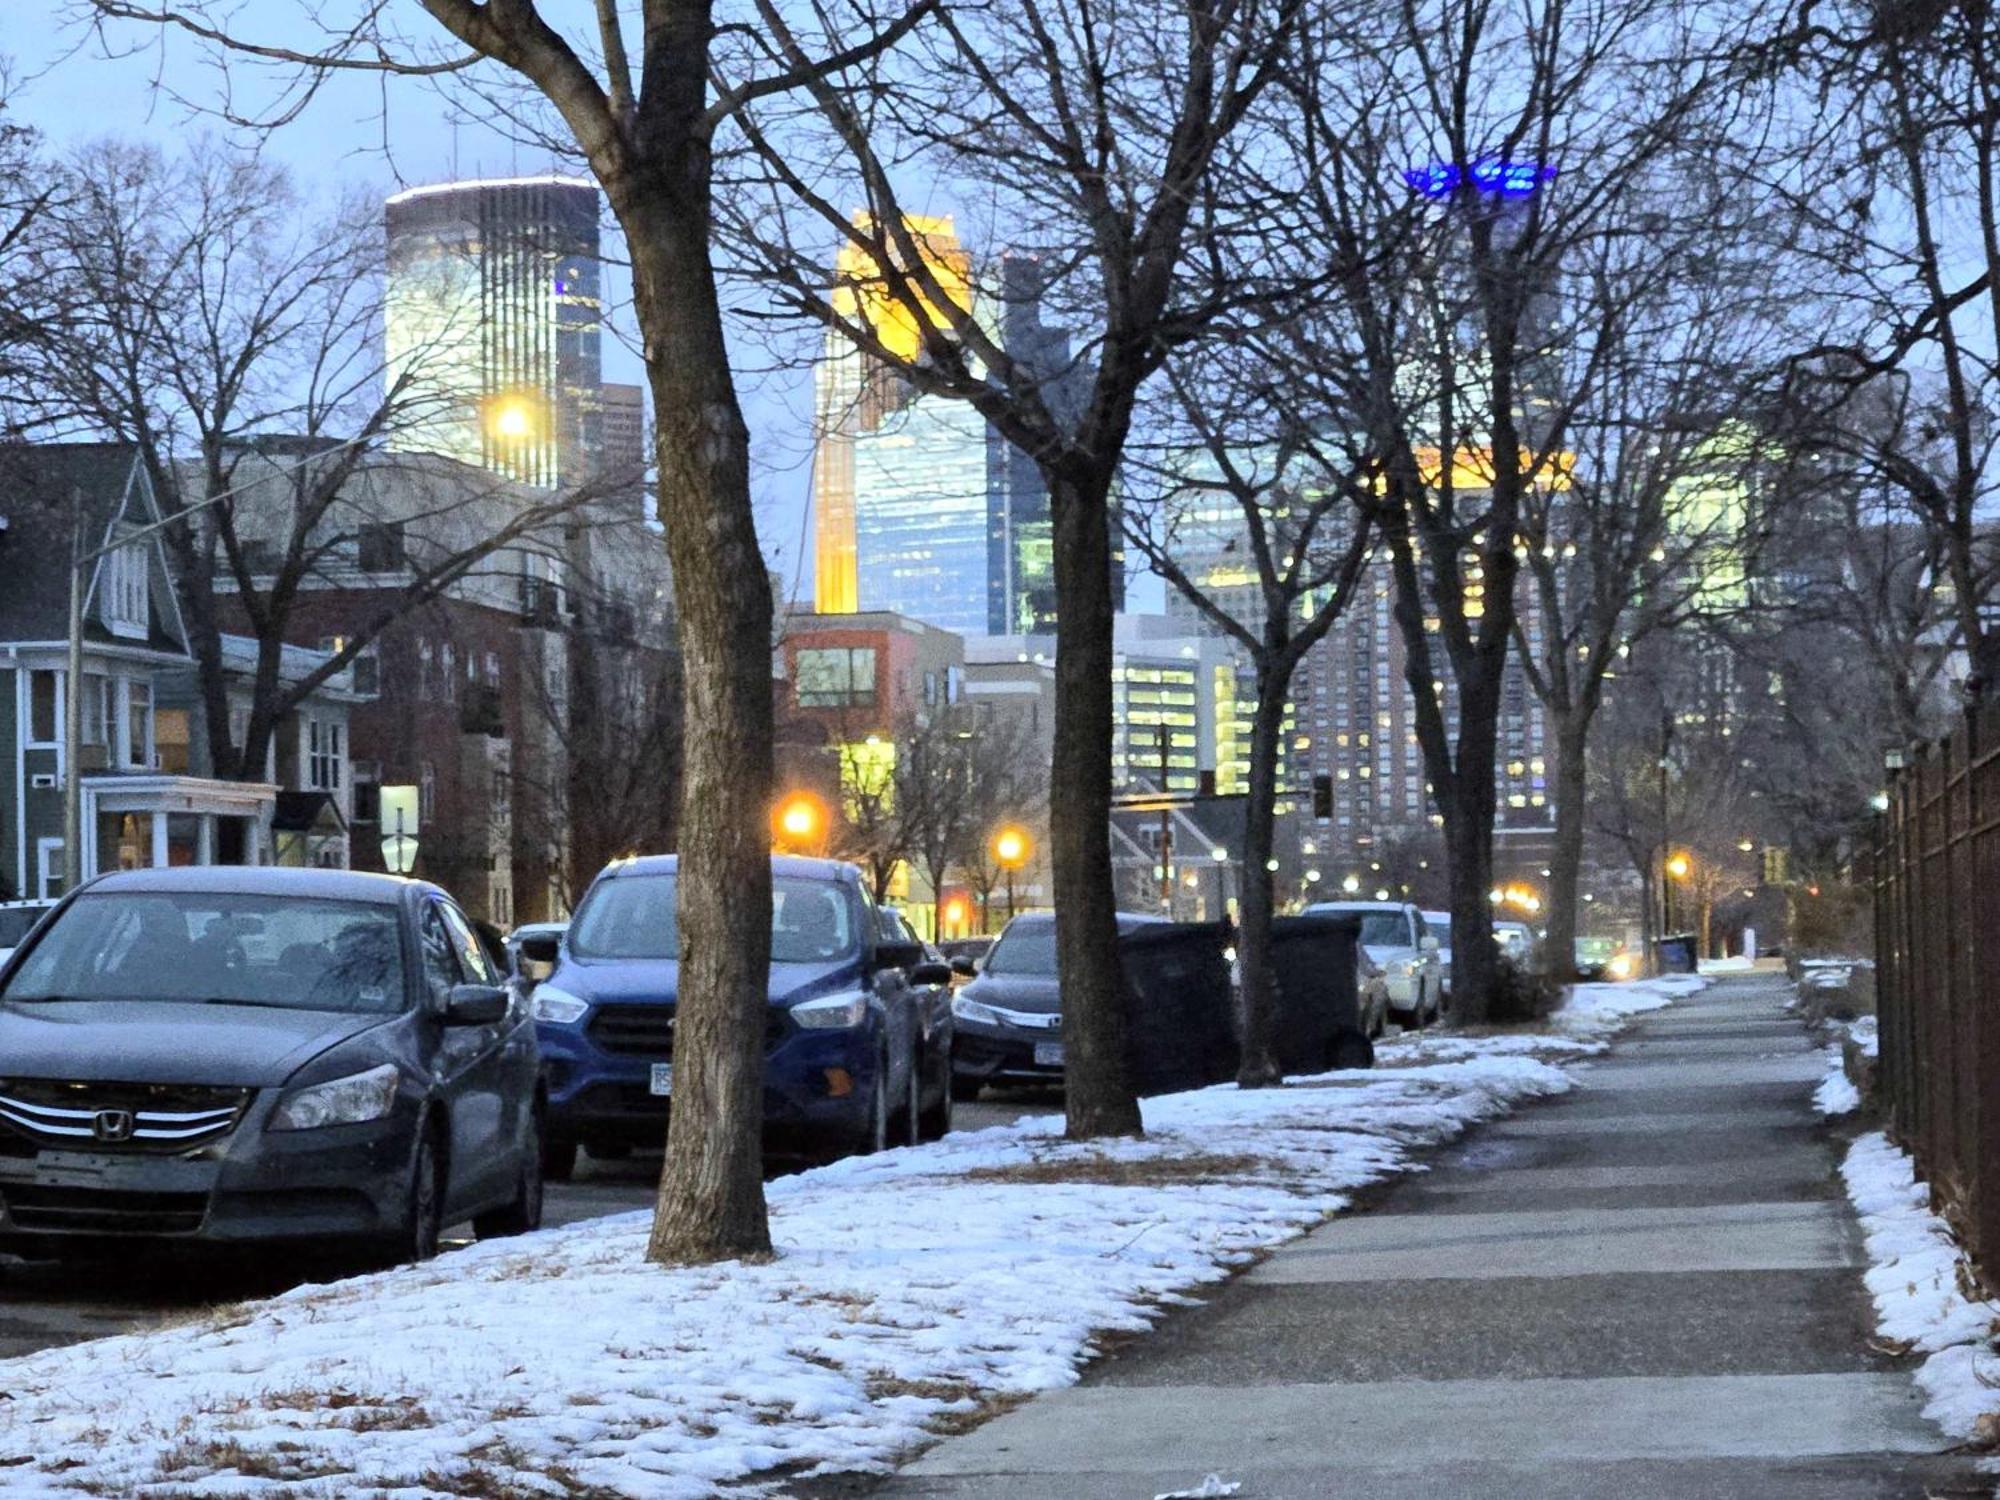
column 475, row 1005
column 1431, row 944
column 964, row 966
column 931, row 974
column 898, row 955
column 541, row 947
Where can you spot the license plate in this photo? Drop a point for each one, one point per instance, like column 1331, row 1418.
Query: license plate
column 663, row 1078
column 1048, row 1054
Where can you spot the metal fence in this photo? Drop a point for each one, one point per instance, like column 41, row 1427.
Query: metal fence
column 1937, row 939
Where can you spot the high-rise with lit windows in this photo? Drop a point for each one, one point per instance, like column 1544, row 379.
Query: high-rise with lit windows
column 492, row 325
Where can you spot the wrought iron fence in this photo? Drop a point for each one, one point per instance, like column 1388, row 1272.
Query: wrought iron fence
column 1937, row 939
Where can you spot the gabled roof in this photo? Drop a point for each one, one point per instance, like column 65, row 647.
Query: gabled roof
column 41, row 485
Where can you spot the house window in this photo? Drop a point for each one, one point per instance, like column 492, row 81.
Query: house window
column 425, row 657
column 381, row 547
column 365, row 667
column 326, row 746
column 836, row 677
column 44, row 707
column 138, row 723
column 100, row 709
column 427, row 794
column 493, row 669
column 123, row 603
column 367, row 778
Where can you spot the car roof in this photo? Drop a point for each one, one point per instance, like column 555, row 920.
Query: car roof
column 796, row 865
column 1437, row 916
column 1127, row 920
column 1395, row 906
column 310, row 884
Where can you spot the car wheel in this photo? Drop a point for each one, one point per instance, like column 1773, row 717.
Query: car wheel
column 558, row 1160
column 425, row 1222
column 936, row 1122
column 525, row 1212
column 964, row 1089
column 874, row 1132
column 910, row 1128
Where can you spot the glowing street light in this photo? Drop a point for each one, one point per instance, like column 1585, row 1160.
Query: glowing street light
column 512, row 417
column 1679, row 866
column 1011, row 848
column 1351, row 884
column 799, row 821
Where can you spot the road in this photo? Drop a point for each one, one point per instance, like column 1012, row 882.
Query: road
column 42, row 1306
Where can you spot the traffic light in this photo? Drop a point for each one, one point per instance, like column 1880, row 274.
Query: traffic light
column 1323, row 795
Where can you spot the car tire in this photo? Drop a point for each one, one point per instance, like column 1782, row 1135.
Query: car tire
column 525, row 1212
column 423, row 1221
column 873, row 1133
column 936, row 1121
column 558, row 1159
column 964, row 1089
column 910, row 1127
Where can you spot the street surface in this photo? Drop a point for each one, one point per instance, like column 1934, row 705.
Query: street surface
column 1647, row 1288
column 46, row 1305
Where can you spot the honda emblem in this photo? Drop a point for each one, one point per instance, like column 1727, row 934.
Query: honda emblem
column 112, row 1125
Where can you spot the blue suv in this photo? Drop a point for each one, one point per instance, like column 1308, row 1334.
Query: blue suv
column 857, row 1038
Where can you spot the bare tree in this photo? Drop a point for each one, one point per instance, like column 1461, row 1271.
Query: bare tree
column 645, row 121
column 1902, row 204
column 27, row 311
column 1301, row 534
column 1457, row 157
column 1095, row 138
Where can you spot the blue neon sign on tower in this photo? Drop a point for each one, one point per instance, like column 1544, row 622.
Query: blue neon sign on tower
column 1504, row 179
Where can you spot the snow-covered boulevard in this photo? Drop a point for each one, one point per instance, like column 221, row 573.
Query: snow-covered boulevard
column 1650, row 1287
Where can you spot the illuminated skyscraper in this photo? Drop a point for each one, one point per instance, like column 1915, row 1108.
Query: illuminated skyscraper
column 921, row 508
column 493, row 313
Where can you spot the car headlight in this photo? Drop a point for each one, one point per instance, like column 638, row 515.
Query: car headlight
column 339, row 1101
column 972, row 1010
column 832, row 1011
column 1620, row 966
column 560, row 1006
column 1400, row 968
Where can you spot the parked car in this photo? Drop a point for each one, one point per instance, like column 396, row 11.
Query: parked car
column 534, row 973
column 1394, row 936
column 230, row 1054
column 1009, row 1018
column 1603, row 958
column 17, row 920
column 1439, row 925
column 972, row 950
column 857, row 1036
column 1516, row 939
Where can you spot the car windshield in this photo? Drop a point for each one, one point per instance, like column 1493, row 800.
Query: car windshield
column 15, row 922
column 1440, row 930
column 1025, row 948
column 1384, row 929
column 221, row 948
column 632, row 916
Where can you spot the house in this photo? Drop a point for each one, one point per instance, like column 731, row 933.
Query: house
column 147, row 795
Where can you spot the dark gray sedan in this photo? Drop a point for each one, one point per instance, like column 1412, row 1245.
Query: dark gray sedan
column 226, row 1054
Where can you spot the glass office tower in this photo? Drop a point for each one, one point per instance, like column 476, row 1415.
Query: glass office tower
column 493, row 313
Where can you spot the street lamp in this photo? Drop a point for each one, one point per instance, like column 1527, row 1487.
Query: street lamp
column 1011, row 848
column 399, row 813
column 799, row 821
column 1678, row 867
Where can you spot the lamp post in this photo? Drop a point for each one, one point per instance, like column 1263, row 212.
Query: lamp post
column 400, row 813
column 1011, row 847
column 1677, row 866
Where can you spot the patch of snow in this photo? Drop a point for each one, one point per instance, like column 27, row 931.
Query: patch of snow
column 1920, row 1298
column 1215, row 1487
column 1734, row 965
column 1866, row 1033
column 908, row 1287
column 1836, row 1094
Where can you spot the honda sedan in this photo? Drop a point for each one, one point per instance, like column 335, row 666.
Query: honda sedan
column 224, row 1054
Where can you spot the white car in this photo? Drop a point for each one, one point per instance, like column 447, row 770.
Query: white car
column 1395, row 937
column 1439, row 925
column 17, row 919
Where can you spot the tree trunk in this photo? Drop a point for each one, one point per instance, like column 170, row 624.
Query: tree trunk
column 1259, row 1067
column 1468, row 836
column 1098, row 1096
column 1566, row 863
column 711, row 1203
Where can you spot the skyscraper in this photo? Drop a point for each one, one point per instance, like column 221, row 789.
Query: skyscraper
column 494, row 305
column 622, row 443
column 921, row 507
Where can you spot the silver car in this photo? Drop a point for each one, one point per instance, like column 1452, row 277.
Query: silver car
column 1394, row 935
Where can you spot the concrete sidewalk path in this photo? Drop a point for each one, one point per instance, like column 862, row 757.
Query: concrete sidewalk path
column 1646, row 1288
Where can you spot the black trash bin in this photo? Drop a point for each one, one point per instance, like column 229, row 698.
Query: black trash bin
column 1674, row 953
column 1315, row 965
column 1182, row 1032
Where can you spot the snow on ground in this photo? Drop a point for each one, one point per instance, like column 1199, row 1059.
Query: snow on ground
column 909, row 1291
column 1836, row 1094
column 1920, row 1295
column 1735, row 964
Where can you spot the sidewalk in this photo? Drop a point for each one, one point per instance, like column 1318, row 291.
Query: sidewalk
column 1647, row 1288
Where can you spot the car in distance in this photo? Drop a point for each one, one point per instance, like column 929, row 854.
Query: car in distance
column 1008, row 1020
column 232, row 1054
column 534, row 973
column 1516, row 939
column 1438, row 924
column 857, row 1031
column 17, row 920
column 1394, row 936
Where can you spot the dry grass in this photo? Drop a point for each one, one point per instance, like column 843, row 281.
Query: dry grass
column 883, row 1387
column 282, row 1461
column 1152, row 1171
